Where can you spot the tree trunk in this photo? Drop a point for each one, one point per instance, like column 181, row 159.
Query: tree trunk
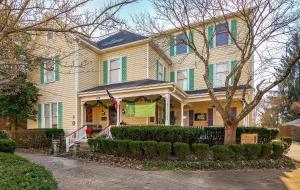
column 230, row 134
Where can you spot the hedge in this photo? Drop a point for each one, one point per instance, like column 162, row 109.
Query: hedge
column 150, row 149
column 38, row 138
column 208, row 135
column 266, row 150
column 4, row 135
column 252, row 151
column 7, row 145
column 18, row 173
column 164, row 150
column 222, row 152
column 181, row 150
column 239, row 151
column 278, row 149
column 200, row 151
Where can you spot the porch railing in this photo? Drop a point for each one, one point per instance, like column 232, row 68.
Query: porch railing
column 77, row 135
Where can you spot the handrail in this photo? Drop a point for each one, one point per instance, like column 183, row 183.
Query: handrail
column 75, row 136
column 75, row 131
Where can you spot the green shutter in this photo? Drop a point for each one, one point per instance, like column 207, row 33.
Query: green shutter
column 191, row 39
column 172, row 47
column 211, row 74
column 42, row 72
column 172, row 76
column 57, row 67
column 210, row 32
column 233, row 30
column 191, row 79
column 105, row 72
column 59, row 115
column 157, row 69
column 40, row 116
column 233, row 65
column 165, row 73
column 124, row 69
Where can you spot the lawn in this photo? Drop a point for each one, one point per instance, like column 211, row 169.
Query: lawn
column 18, row 173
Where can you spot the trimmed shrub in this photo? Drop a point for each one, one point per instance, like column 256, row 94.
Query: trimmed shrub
column 7, row 145
column 157, row 133
column 266, row 150
column 252, row 151
column 122, row 147
column 287, row 141
column 150, row 149
column 181, row 150
column 112, row 147
column 222, row 152
column 239, row 151
column 278, row 149
column 104, row 143
column 135, row 148
column 4, row 135
column 164, row 150
column 200, row 151
column 18, row 173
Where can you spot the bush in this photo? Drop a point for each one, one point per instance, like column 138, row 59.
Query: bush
column 252, row 151
column 7, row 145
column 4, row 135
column 112, row 147
column 164, row 150
column 181, row 150
column 266, row 150
column 135, row 149
column 38, row 138
column 200, row 151
column 239, row 151
column 278, row 149
column 287, row 141
column 222, row 152
column 157, row 133
column 104, row 143
column 150, row 149
column 122, row 147
column 18, row 173
column 265, row 135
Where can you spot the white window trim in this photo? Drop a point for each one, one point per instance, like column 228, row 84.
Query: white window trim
column 215, row 35
column 120, row 72
column 43, row 114
column 215, row 73
column 45, row 71
column 188, row 77
column 187, row 48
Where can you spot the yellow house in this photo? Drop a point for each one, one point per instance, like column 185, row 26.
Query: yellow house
column 136, row 71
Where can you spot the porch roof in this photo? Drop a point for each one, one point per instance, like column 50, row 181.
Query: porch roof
column 220, row 89
column 130, row 84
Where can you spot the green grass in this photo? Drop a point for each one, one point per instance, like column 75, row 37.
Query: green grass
column 18, row 173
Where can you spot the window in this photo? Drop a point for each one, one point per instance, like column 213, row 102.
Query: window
column 181, row 44
column 115, row 71
column 49, row 73
column 160, row 71
column 182, row 79
column 50, row 115
column 222, row 70
column 221, row 35
column 50, row 35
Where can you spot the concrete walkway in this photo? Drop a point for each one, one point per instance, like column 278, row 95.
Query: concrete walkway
column 73, row 175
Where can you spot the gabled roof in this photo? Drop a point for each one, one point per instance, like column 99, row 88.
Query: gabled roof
column 120, row 38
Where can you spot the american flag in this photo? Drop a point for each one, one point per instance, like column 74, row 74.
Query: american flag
column 112, row 99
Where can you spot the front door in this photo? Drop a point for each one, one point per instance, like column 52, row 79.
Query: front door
column 112, row 116
column 210, row 117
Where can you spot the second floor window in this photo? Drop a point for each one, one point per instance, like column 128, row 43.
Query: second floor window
column 50, row 35
column 182, row 79
column 49, row 73
column 160, row 71
column 115, row 71
column 222, row 35
column 222, row 70
column 181, row 43
column 50, row 115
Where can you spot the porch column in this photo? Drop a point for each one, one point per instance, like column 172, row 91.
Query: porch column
column 182, row 113
column 167, row 108
column 82, row 113
column 118, row 112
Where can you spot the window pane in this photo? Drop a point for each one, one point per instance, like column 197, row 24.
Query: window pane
column 222, row 70
column 181, row 44
column 114, row 76
column 182, row 79
column 54, row 115
column 47, row 115
column 160, row 71
column 221, row 35
column 50, row 35
column 49, row 70
column 114, row 64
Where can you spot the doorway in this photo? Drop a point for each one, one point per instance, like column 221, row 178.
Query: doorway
column 112, row 116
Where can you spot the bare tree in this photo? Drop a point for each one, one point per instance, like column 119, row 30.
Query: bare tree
column 21, row 20
column 267, row 25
